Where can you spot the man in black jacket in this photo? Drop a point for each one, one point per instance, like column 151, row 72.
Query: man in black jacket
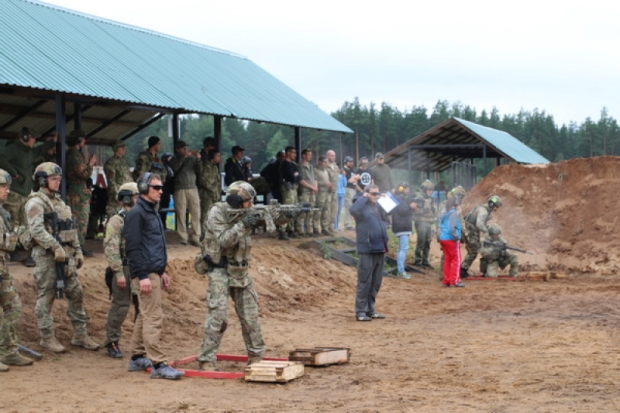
column 372, row 241
column 145, row 249
column 234, row 168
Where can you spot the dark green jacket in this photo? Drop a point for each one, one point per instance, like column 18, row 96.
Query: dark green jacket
column 17, row 159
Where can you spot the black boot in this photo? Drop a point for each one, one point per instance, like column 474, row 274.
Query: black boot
column 87, row 253
column 464, row 273
column 283, row 236
column 29, row 261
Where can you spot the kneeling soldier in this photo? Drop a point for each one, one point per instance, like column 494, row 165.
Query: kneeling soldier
column 9, row 300
column 494, row 255
column 57, row 255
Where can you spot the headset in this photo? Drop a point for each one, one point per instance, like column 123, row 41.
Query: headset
column 125, row 197
column 143, row 183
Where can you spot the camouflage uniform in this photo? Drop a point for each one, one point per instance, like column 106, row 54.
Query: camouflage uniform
column 78, row 192
column 306, row 195
column 114, row 248
column 332, row 197
column 117, row 172
column 147, row 162
column 9, row 299
column 476, row 224
column 39, row 204
column 209, row 189
column 424, row 228
column 289, row 195
column 322, row 217
column 492, row 259
column 228, row 245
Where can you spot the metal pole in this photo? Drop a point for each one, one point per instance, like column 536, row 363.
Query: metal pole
column 298, row 142
column 77, row 116
column 61, row 145
column 175, row 130
column 217, row 130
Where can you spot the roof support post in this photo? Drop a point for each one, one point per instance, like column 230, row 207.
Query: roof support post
column 217, row 130
column 298, row 142
column 61, row 145
column 77, row 116
column 484, row 160
column 176, row 132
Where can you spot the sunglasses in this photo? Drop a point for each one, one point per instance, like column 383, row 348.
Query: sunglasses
column 375, row 193
column 157, row 187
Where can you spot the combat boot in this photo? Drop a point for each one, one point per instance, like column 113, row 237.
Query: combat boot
column 4, row 367
column 51, row 343
column 254, row 359
column 84, row 340
column 16, row 359
column 208, row 366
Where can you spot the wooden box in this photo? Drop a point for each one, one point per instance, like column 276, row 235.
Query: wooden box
column 274, row 371
column 321, row 356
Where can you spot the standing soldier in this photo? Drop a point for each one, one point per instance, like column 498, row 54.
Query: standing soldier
column 322, row 218
column 290, row 179
column 52, row 246
column 424, row 218
column 209, row 184
column 9, row 300
column 148, row 161
column 476, row 224
column 114, row 245
column 307, row 194
column 17, row 159
column 186, row 167
column 78, row 189
column 117, row 172
column 332, row 198
column 50, row 154
column 226, row 248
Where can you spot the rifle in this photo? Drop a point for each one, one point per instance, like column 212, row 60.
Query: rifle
column 52, row 218
column 271, row 213
column 500, row 246
column 29, row 352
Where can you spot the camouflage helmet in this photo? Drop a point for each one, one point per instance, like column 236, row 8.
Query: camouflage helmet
column 128, row 189
column 5, row 177
column 427, row 186
column 457, row 190
column 494, row 201
column 46, row 169
column 495, row 229
column 240, row 190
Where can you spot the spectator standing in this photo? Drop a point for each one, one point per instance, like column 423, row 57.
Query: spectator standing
column 350, row 190
column 117, row 172
column 148, row 161
column 290, row 179
column 186, row 166
column 233, row 168
column 307, row 193
column 145, row 247
column 273, row 176
column 372, row 242
column 340, row 193
column 322, row 221
column 424, row 219
column 334, row 172
column 168, row 189
column 209, row 183
column 402, row 226
column 79, row 183
column 449, row 230
column 381, row 174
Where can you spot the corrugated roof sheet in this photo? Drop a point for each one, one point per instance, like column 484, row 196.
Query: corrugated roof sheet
column 455, row 140
column 55, row 49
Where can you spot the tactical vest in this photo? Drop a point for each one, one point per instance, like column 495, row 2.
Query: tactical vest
column 472, row 218
column 67, row 229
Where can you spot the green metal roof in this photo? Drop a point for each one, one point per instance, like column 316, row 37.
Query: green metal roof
column 49, row 48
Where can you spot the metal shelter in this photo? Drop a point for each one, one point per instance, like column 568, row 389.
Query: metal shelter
column 457, row 141
column 63, row 70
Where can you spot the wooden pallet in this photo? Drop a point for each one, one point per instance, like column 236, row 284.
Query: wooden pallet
column 321, row 356
column 274, row 371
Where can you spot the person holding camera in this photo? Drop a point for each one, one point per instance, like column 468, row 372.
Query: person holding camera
column 186, row 166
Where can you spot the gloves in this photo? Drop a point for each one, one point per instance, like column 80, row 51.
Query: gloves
column 79, row 259
column 249, row 221
column 59, row 253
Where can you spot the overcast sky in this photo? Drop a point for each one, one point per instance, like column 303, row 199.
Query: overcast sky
column 560, row 57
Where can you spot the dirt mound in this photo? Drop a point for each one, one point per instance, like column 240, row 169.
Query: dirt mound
column 564, row 212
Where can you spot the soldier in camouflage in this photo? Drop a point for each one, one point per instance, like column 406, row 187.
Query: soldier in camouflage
column 307, row 194
column 424, row 218
column 47, row 251
column 332, row 198
column 494, row 259
column 209, row 184
column 226, row 249
column 322, row 218
column 148, row 161
column 79, row 172
column 117, row 172
column 476, row 224
column 50, row 154
column 114, row 246
column 9, row 299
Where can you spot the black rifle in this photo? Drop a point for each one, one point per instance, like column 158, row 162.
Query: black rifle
column 500, row 246
column 52, row 218
column 29, row 352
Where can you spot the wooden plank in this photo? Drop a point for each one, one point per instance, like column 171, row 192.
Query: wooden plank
column 321, row 356
column 273, row 371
